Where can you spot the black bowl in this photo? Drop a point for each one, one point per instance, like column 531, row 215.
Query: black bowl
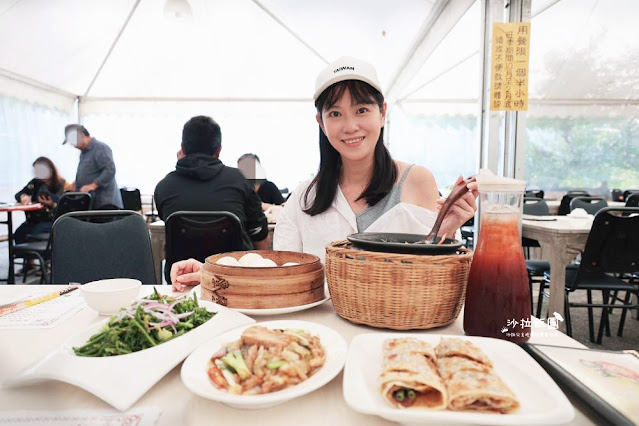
column 401, row 243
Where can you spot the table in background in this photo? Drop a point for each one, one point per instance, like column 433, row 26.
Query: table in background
column 553, row 205
column 158, row 240
column 325, row 406
column 561, row 240
column 9, row 209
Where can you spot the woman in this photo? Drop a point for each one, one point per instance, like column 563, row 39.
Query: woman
column 45, row 188
column 359, row 187
column 251, row 168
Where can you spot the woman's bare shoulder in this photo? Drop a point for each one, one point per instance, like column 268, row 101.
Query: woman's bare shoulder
column 420, row 187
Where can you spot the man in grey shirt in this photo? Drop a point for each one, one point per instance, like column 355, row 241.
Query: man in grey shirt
column 96, row 170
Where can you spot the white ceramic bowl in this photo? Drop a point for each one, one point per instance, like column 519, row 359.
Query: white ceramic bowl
column 108, row 296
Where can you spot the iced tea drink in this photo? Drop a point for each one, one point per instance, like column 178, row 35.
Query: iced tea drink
column 498, row 295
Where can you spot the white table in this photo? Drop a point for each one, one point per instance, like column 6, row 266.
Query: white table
column 325, row 406
column 553, row 205
column 560, row 240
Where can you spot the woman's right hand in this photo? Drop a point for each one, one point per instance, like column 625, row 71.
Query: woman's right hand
column 46, row 200
column 25, row 199
column 185, row 273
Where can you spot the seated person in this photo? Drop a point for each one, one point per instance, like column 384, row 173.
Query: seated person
column 358, row 187
column 45, row 188
column 201, row 182
column 251, row 168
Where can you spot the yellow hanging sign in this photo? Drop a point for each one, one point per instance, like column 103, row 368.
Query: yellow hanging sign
column 509, row 76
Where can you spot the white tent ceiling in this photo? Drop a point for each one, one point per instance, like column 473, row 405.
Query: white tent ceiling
column 271, row 50
column 227, row 50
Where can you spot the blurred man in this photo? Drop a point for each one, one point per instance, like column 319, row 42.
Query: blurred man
column 201, row 182
column 96, row 169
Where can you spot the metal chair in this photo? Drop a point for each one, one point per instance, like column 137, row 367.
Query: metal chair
column 564, row 205
column 198, row 235
column 590, row 204
column 39, row 246
column 632, row 200
column 468, row 233
column 83, row 250
column 628, row 192
column 536, row 268
column 152, row 216
column 612, row 248
column 616, row 195
column 534, row 193
column 131, row 199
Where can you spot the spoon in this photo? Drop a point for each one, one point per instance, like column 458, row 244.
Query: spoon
column 456, row 193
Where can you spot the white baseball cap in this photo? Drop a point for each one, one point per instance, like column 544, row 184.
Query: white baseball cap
column 346, row 68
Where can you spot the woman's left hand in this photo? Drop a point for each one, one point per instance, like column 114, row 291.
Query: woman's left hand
column 460, row 212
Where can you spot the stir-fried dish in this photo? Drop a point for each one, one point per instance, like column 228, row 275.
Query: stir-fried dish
column 146, row 323
column 264, row 361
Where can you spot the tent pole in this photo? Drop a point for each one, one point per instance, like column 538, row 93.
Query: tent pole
column 117, row 38
column 445, row 14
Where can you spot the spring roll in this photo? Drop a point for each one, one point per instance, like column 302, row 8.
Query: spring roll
column 471, row 382
column 448, row 366
column 471, row 390
column 450, row 346
column 409, row 375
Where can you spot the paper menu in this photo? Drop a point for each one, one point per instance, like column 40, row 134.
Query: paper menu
column 44, row 315
column 141, row 416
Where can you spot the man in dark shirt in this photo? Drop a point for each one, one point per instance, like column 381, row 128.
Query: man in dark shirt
column 96, row 169
column 201, row 182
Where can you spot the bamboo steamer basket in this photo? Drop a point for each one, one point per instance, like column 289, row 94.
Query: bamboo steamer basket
column 263, row 288
column 396, row 291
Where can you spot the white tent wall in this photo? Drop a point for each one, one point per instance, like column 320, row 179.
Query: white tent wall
column 28, row 131
column 145, row 137
column 22, row 90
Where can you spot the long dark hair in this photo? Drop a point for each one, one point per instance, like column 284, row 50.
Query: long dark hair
column 56, row 181
column 327, row 178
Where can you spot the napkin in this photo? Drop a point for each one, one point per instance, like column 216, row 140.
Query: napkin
column 579, row 212
column 407, row 219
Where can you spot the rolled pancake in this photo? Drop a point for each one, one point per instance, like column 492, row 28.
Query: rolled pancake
column 470, row 390
column 450, row 365
column 407, row 364
column 450, row 346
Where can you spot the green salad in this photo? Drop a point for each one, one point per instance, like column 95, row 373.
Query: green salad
column 146, row 323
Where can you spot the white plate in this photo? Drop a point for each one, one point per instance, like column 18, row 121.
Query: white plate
column 272, row 311
column 542, row 402
column 122, row 380
column 197, row 381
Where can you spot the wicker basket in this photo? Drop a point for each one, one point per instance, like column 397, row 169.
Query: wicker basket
column 398, row 291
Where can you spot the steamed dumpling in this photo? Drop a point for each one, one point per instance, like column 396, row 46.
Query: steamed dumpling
column 249, row 259
column 264, row 263
column 290, row 264
column 228, row 261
